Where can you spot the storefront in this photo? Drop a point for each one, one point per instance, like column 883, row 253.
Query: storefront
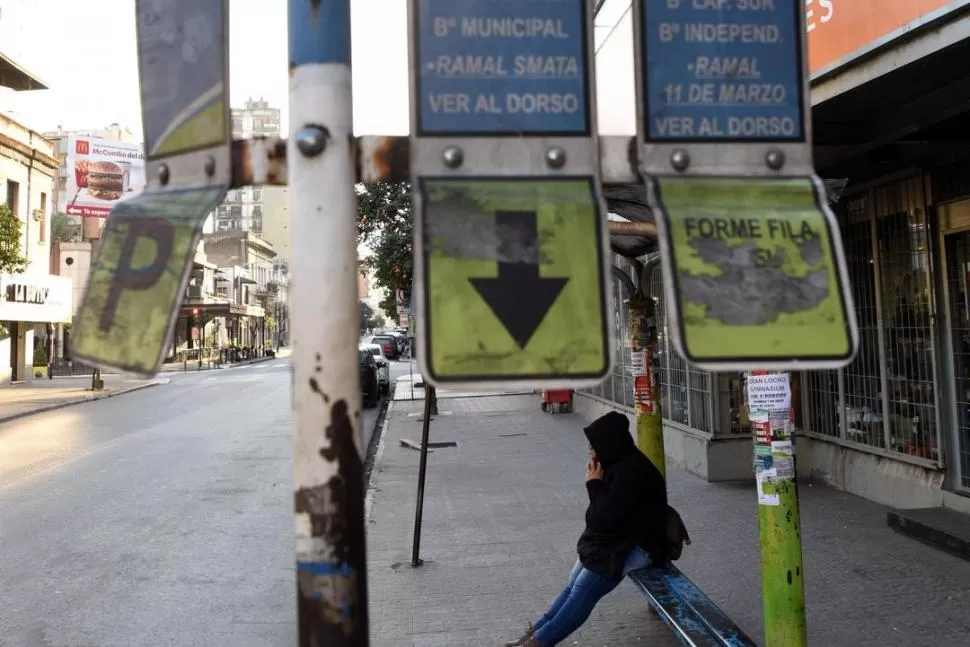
column 29, row 304
column 894, row 425
column 891, row 119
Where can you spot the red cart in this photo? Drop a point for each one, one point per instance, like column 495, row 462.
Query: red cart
column 560, row 401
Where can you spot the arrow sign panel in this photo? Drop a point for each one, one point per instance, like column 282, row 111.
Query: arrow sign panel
column 519, row 297
column 512, row 282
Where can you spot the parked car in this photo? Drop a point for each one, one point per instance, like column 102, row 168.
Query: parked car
column 369, row 382
column 383, row 366
column 388, row 344
column 400, row 339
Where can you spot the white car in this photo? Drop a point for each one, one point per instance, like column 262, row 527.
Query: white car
column 383, row 366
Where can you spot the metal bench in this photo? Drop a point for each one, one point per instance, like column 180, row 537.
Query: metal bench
column 691, row 615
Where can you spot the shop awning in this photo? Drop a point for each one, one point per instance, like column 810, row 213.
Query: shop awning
column 222, row 309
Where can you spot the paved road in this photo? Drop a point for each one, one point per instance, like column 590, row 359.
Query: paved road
column 160, row 517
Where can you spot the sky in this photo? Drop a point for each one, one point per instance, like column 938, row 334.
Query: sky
column 88, row 58
column 89, row 61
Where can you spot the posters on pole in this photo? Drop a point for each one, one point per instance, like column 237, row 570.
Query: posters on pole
column 769, row 410
column 770, row 392
column 766, row 493
column 100, row 174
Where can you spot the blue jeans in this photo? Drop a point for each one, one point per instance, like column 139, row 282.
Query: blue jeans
column 576, row 602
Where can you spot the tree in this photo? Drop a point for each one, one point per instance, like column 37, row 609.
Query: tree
column 368, row 318
column 12, row 260
column 63, row 229
column 384, row 223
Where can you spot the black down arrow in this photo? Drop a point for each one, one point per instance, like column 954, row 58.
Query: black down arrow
column 519, row 297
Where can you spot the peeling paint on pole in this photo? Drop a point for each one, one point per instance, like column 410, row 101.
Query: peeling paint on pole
column 320, row 162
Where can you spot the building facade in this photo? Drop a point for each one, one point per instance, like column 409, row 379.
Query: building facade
column 242, row 210
column 276, row 219
column 891, row 102
column 238, row 296
column 32, row 301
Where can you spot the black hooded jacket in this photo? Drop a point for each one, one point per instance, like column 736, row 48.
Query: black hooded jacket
column 628, row 507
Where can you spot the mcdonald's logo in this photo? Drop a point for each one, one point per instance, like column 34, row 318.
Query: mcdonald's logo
column 82, row 147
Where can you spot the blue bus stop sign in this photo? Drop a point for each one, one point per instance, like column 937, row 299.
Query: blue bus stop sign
column 722, row 71
column 501, row 67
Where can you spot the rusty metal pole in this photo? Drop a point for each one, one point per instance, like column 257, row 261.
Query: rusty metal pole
column 429, row 397
column 327, row 441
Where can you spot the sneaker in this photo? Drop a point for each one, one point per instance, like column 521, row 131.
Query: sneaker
column 521, row 642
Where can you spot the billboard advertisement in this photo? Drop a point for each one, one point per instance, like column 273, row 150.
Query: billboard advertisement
column 101, row 173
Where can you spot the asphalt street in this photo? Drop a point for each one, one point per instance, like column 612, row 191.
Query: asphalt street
column 160, row 517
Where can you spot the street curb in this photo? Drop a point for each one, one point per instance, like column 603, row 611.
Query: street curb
column 943, row 529
column 87, row 398
column 193, row 367
column 248, row 362
column 369, row 497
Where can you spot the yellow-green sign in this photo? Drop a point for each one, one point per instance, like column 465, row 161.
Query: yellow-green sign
column 756, row 273
column 513, row 281
column 139, row 278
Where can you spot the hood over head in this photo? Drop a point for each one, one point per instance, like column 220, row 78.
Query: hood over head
column 610, row 437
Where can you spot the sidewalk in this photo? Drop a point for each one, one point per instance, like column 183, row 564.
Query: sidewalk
column 19, row 400
column 193, row 365
column 503, row 511
column 411, row 387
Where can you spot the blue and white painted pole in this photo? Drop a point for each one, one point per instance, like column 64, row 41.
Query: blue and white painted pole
column 327, row 441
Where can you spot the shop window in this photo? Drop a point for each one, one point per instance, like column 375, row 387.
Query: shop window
column 907, row 317
column 13, row 197
column 885, row 398
column 958, row 279
column 863, row 388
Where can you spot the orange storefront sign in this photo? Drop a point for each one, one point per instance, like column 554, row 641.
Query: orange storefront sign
column 837, row 28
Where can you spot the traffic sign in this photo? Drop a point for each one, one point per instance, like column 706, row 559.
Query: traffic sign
column 513, row 281
column 183, row 68
column 502, row 67
column 756, row 276
column 722, row 70
column 139, row 277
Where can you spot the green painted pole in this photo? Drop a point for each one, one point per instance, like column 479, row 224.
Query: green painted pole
column 646, row 389
column 782, row 570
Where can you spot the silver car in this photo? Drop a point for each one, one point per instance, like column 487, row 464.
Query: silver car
column 383, row 366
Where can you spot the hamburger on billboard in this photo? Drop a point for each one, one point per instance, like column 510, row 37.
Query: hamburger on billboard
column 100, row 173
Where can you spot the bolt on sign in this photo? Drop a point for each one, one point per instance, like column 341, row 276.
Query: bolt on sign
column 510, row 237
column 751, row 253
column 145, row 258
